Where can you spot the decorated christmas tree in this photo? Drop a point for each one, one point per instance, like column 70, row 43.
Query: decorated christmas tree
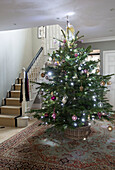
column 74, row 91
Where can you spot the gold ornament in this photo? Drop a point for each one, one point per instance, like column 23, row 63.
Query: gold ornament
column 64, row 100
column 87, row 74
column 53, row 59
column 52, row 93
column 109, row 83
column 88, row 117
column 42, row 74
column 110, row 128
column 97, row 70
column 81, row 88
column 102, row 83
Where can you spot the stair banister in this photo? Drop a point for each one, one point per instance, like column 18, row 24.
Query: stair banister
column 32, row 72
column 34, row 59
column 22, row 76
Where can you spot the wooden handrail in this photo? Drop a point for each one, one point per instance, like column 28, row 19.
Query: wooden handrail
column 34, row 59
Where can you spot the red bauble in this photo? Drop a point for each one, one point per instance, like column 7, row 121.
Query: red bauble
column 46, row 114
column 54, row 115
column 53, row 98
column 74, row 117
column 75, row 54
column 99, row 115
column 64, row 41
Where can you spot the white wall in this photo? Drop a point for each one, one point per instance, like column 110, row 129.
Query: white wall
column 36, row 43
column 15, row 53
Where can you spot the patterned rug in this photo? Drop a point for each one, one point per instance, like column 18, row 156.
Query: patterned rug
column 34, row 148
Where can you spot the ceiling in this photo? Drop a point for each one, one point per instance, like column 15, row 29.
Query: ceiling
column 95, row 19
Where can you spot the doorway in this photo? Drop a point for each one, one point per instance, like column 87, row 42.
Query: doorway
column 109, row 68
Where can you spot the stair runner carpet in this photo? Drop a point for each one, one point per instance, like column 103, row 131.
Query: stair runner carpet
column 37, row 149
column 12, row 108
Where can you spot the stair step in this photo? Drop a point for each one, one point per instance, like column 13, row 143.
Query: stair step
column 6, row 120
column 19, row 80
column 17, row 86
column 13, row 102
column 15, row 94
column 12, row 110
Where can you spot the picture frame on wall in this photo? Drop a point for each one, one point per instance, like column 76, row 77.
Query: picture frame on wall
column 41, row 32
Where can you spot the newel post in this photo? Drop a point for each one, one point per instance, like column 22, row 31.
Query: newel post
column 22, row 76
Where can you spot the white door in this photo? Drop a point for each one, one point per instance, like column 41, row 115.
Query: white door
column 109, row 68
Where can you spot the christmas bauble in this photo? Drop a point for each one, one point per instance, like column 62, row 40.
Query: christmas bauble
column 97, row 70
column 102, row 83
column 46, row 115
column 42, row 74
column 64, row 41
column 87, row 74
column 100, row 104
column 99, row 115
column 74, row 117
column 53, row 98
column 85, row 71
column 52, row 93
column 88, row 117
column 81, row 88
column 75, row 54
column 109, row 83
column 64, row 100
column 54, row 115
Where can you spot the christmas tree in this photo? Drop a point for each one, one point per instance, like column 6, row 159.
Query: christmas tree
column 74, row 92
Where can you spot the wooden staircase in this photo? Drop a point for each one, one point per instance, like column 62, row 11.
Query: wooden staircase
column 12, row 108
column 12, row 111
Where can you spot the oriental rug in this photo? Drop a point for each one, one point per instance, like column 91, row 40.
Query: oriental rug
column 35, row 148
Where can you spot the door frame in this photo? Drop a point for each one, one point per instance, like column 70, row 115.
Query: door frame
column 104, row 53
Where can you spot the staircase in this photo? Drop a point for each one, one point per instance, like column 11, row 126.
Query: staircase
column 12, row 112
column 12, row 108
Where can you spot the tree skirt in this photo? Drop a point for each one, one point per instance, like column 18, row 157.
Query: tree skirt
column 36, row 148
